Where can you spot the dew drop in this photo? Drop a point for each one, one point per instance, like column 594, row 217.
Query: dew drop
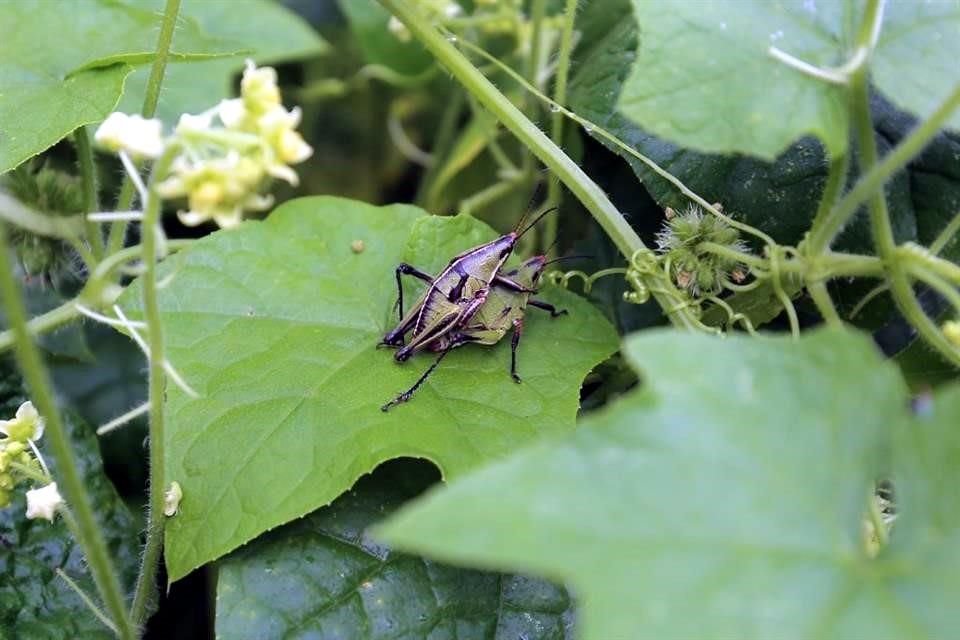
column 451, row 38
column 554, row 107
column 588, row 127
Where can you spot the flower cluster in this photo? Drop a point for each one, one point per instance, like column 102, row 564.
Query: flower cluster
column 20, row 460
column 692, row 267
column 220, row 169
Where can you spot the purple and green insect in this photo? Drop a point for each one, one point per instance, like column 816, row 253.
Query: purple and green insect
column 472, row 301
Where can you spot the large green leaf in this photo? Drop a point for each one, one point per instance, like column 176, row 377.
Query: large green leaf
column 265, row 31
column 48, row 91
column 323, row 575
column 34, row 601
column 276, row 323
column 779, row 197
column 725, row 500
column 915, row 63
column 704, row 77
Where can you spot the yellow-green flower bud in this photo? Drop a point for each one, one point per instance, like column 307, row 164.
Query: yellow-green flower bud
column 259, row 88
column 27, row 425
column 15, row 448
column 951, row 331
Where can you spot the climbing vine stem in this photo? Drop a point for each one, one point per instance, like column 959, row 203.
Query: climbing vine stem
column 41, row 394
column 118, row 230
column 579, row 183
column 151, row 231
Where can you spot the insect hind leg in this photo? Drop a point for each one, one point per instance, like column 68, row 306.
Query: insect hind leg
column 406, row 395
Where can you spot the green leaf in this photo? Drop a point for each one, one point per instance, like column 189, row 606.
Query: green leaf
column 265, row 31
column 275, row 324
column 48, row 91
column 915, row 63
column 34, row 601
column 323, row 575
column 368, row 22
column 724, row 500
column 703, row 77
column 779, row 197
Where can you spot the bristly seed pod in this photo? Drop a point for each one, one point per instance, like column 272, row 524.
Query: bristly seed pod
column 694, row 269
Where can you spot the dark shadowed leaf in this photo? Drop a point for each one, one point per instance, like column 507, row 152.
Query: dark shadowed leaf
column 324, row 575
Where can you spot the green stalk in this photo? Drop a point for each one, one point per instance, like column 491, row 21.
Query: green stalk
column 45, row 323
column 821, row 298
column 900, row 285
column 147, row 578
column 585, row 189
column 872, row 179
column 441, row 145
column 556, row 118
column 946, row 234
column 89, row 296
column 538, row 11
column 37, row 379
column 91, row 200
column 836, row 180
column 118, row 230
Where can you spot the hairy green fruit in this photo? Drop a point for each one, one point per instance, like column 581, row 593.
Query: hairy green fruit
column 684, row 243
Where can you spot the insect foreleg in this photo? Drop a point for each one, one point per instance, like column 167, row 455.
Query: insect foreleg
column 514, row 343
column 405, row 269
column 406, row 395
column 546, row 306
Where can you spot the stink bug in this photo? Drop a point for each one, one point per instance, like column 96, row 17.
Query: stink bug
column 502, row 311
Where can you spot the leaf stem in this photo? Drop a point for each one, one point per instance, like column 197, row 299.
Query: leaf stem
column 91, row 200
column 945, row 236
column 35, row 374
column 821, row 298
column 873, row 178
column 147, row 578
column 585, row 189
column 886, row 248
column 118, row 230
column 67, row 312
column 836, row 181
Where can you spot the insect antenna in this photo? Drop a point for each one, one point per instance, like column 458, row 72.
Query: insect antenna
column 536, row 220
column 562, row 258
column 537, row 190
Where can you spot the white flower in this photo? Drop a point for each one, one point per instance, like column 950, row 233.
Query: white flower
column 199, row 122
column 43, row 502
column 232, row 112
column 139, row 137
column 27, row 425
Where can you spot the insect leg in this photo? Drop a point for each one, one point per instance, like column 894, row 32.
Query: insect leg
column 514, row 343
column 406, row 395
column 546, row 306
column 405, row 269
column 512, row 285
